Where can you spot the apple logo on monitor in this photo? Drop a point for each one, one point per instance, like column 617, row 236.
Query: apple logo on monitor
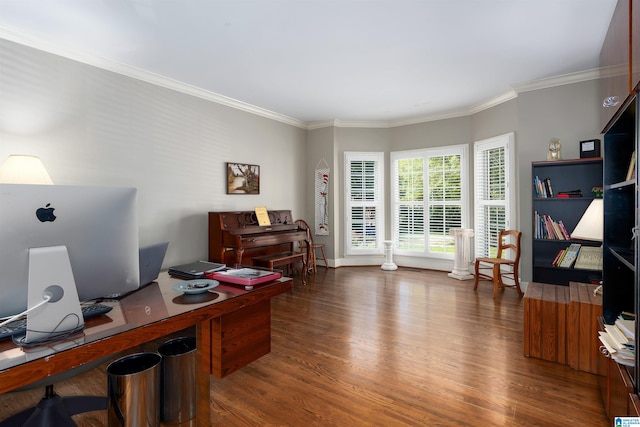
column 46, row 214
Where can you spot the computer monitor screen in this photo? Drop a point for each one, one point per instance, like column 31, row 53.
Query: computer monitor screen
column 97, row 225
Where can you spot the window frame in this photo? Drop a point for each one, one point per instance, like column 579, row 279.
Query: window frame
column 377, row 203
column 486, row 242
column 425, row 154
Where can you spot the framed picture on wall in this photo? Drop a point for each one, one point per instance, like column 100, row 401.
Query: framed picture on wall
column 243, row 178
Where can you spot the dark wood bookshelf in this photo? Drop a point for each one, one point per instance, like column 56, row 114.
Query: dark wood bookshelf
column 565, row 176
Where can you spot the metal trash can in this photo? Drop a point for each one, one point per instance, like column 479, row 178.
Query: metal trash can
column 178, row 380
column 134, row 391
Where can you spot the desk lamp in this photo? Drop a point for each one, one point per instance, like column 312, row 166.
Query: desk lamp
column 24, row 169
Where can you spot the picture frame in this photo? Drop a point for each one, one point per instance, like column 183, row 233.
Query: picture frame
column 589, row 148
column 243, row 178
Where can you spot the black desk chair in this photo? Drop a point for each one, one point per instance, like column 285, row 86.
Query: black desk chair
column 54, row 410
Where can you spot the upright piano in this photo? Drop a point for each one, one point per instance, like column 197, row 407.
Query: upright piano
column 236, row 237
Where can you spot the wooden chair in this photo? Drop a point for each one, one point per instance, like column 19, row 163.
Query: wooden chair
column 313, row 247
column 501, row 266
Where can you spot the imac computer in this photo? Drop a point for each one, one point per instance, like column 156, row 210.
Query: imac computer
column 61, row 245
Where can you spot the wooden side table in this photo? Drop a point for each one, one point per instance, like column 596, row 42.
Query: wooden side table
column 545, row 319
column 582, row 327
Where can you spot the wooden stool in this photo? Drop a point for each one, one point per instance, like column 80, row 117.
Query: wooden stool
column 288, row 259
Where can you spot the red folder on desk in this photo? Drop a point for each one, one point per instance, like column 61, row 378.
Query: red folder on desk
column 245, row 276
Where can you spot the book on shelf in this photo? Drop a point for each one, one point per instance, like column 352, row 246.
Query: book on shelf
column 631, row 171
column 543, row 187
column 558, row 257
column 570, row 256
column 546, row 228
column 569, row 194
column 589, row 258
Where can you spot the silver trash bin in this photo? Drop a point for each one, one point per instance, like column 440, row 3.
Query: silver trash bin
column 178, row 380
column 134, row 391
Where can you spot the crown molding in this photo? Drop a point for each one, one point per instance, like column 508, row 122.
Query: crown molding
column 142, row 75
column 349, row 124
column 158, row 80
column 563, row 79
column 512, row 93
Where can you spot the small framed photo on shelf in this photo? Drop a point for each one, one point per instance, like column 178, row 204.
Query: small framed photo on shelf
column 243, row 178
column 589, row 148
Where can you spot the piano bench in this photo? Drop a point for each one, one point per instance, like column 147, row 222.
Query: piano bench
column 281, row 259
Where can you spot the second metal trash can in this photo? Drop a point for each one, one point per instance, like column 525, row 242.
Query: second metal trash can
column 178, row 380
column 134, row 391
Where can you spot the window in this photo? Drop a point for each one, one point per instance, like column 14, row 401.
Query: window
column 494, row 192
column 364, row 202
column 428, row 199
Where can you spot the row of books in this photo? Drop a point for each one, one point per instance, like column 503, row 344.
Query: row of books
column 566, row 257
column 543, row 187
column 544, row 190
column 578, row 256
column 619, row 339
column 546, row 228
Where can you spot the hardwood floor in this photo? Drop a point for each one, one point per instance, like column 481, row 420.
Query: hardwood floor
column 358, row 346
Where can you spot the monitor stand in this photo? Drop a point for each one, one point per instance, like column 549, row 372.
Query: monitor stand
column 50, row 274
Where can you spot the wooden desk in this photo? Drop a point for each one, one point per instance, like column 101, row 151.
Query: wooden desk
column 233, row 328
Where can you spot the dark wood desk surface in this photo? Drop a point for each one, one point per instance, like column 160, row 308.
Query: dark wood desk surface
column 148, row 314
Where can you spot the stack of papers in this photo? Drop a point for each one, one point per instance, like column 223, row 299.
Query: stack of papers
column 619, row 339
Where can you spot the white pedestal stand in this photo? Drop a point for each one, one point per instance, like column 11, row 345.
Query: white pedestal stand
column 388, row 256
column 461, row 261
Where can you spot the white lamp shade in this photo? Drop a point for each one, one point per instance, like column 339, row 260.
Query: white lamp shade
column 592, row 222
column 23, row 169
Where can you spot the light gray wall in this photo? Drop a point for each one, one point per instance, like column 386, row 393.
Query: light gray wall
column 320, row 150
column 92, row 126
column 96, row 127
column 356, row 139
column 569, row 112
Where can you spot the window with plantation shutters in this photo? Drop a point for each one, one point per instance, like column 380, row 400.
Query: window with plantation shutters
column 494, row 195
column 364, row 202
column 428, row 199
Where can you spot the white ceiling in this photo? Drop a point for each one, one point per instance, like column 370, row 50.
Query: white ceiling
column 321, row 60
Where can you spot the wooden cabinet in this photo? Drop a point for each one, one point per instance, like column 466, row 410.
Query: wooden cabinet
column 545, row 322
column 616, row 386
column 615, row 63
column 585, row 307
column 620, row 387
column 561, row 324
column 564, row 175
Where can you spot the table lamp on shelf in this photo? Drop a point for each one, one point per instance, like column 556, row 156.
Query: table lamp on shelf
column 24, row 169
column 592, row 222
column 590, row 226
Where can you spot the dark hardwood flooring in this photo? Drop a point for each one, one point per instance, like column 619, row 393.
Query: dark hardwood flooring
column 358, row 346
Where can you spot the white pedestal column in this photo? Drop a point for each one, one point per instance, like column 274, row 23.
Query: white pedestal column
column 461, row 261
column 388, row 256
